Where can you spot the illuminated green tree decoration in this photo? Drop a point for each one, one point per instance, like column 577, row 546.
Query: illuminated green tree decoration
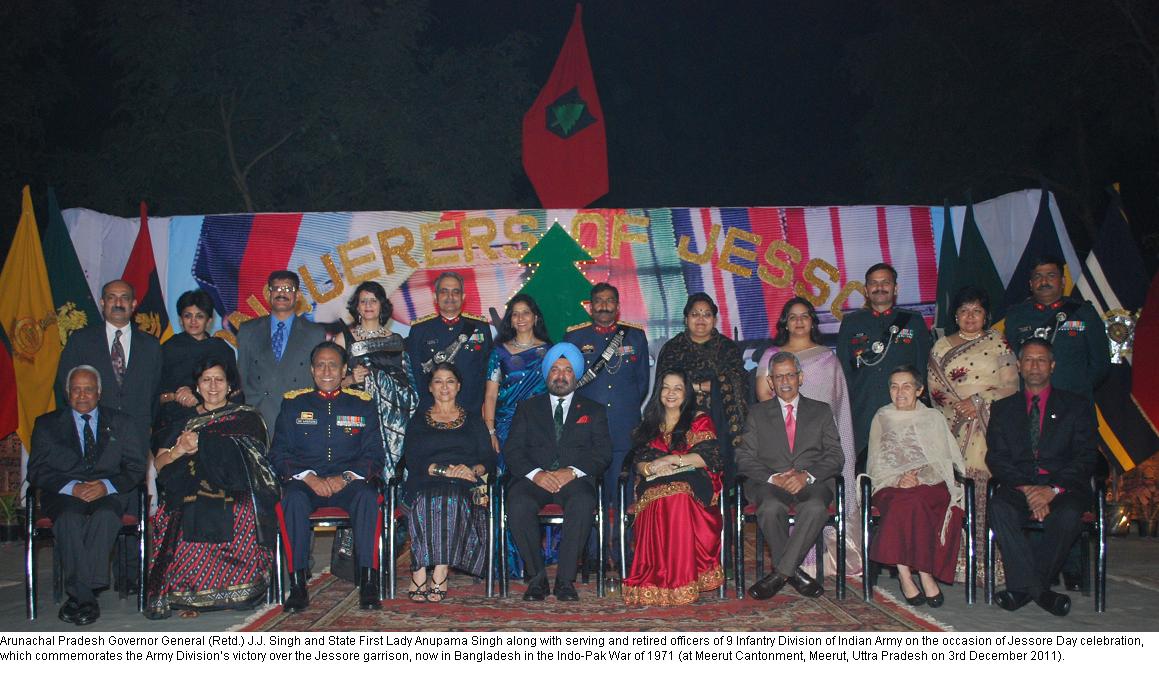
column 556, row 282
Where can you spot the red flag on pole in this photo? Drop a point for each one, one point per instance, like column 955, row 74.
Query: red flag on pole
column 1145, row 357
column 9, row 412
column 141, row 274
column 565, row 145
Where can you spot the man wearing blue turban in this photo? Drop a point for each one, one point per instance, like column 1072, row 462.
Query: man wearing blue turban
column 556, row 451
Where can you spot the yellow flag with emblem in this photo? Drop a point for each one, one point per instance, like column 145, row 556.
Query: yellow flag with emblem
column 29, row 317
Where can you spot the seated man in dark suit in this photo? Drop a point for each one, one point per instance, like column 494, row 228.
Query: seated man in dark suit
column 327, row 443
column 789, row 454
column 557, row 449
column 85, row 459
column 1041, row 456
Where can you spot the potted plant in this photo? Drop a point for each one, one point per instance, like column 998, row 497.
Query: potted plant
column 10, row 529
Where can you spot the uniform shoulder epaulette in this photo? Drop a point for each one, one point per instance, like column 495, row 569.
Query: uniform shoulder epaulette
column 578, row 326
column 629, row 324
column 476, row 317
column 362, row 394
column 297, row 392
column 421, row 319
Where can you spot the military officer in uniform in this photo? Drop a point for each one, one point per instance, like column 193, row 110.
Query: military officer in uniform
column 1075, row 330
column 326, row 446
column 617, row 353
column 872, row 342
column 451, row 335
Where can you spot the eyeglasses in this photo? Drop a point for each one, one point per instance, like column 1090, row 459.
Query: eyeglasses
column 284, row 289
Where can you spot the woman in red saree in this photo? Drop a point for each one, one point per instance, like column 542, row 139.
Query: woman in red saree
column 677, row 527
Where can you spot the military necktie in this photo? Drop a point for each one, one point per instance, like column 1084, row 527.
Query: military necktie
column 558, row 419
column 117, row 355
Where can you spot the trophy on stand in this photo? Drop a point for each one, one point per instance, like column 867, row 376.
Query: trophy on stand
column 1121, row 333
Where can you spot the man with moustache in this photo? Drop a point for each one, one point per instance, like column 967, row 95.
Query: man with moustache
column 557, row 449
column 1041, row 454
column 872, row 342
column 86, row 459
column 616, row 372
column 327, row 443
column 128, row 359
column 789, row 454
column 454, row 336
column 1072, row 326
column 273, row 351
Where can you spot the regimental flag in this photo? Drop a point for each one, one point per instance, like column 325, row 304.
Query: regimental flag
column 976, row 268
column 141, row 274
column 565, row 146
column 9, row 408
column 1114, row 274
column 1043, row 241
column 947, row 269
column 71, row 296
column 29, row 319
column 1145, row 390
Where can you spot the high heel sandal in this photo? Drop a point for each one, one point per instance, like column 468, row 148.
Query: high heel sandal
column 436, row 593
column 419, row 594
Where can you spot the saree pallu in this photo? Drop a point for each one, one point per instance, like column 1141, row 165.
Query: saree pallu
column 446, row 528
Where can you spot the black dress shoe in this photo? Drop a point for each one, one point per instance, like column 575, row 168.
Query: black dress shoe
column 536, row 588
column 936, row 601
column 1012, row 600
column 768, row 587
column 1072, row 581
column 87, row 613
column 565, row 592
column 914, row 601
column 806, row 585
column 368, row 589
column 298, row 599
column 68, row 611
column 1055, row 603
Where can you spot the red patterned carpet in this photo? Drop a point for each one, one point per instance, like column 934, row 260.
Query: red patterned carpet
column 334, row 607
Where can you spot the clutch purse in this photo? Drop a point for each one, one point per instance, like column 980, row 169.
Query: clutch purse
column 479, row 494
column 684, row 469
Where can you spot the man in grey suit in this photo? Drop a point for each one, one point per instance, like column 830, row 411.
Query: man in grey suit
column 273, row 352
column 128, row 360
column 788, row 455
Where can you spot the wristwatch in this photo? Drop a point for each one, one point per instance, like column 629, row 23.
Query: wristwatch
column 346, row 477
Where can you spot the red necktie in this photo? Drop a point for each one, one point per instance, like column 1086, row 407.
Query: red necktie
column 790, row 425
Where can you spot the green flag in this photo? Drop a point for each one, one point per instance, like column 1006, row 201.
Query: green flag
column 71, row 295
column 947, row 268
column 976, row 267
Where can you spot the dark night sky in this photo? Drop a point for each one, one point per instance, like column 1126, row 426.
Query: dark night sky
column 736, row 103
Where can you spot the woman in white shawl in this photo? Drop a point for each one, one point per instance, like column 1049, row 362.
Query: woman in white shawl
column 912, row 458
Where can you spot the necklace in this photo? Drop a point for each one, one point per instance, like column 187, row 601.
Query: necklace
column 361, row 333
column 459, row 420
column 523, row 345
column 968, row 338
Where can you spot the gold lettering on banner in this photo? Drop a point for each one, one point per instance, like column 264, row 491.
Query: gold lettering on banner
column 601, row 224
column 228, row 336
column 621, row 235
column 335, row 277
column 703, row 257
column 731, row 249
column 483, row 241
column 516, row 229
column 348, row 264
column 776, row 264
column 428, row 233
column 839, row 302
column 811, row 279
column 403, row 250
column 258, row 308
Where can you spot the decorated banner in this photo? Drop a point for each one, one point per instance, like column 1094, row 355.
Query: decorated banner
column 750, row 259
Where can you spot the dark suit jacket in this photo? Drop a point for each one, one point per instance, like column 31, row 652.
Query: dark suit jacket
column 764, row 446
column 1066, row 446
column 56, row 459
column 584, row 444
column 264, row 379
column 137, row 394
